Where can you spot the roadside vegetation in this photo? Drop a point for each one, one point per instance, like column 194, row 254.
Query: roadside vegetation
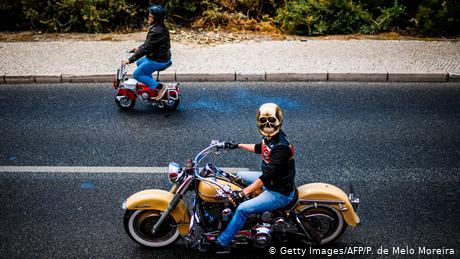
column 295, row 17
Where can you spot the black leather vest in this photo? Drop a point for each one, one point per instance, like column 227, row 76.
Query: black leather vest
column 284, row 183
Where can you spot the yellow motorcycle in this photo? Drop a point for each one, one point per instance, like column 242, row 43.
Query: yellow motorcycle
column 318, row 215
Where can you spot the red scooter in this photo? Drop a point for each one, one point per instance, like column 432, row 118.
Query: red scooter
column 129, row 90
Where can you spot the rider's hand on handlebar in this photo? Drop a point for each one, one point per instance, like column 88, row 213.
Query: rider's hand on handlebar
column 126, row 62
column 230, row 145
column 236, row 197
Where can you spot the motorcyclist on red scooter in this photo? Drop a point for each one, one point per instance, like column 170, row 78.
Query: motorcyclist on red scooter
column 154, row 54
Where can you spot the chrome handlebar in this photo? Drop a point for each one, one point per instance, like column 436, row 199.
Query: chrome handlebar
column 215, row 144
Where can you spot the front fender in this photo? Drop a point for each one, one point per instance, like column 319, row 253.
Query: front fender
column 331, row 195
column 126, row 92
column 158, row 200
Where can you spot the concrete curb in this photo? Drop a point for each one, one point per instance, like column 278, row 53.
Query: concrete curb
column 367, row 77
column 453, row 77
column 250, row 76
column 418, row 77
column 190, row 76
column 48, row 78
column 19, row 79
column 85, row 78
column 241, row 76
column 163, row 76
column 293, row 76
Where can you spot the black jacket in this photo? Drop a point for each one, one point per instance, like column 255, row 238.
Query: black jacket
column 156, row 46
column 278, row 165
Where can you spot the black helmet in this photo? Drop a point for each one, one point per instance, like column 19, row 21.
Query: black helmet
column 158, row 13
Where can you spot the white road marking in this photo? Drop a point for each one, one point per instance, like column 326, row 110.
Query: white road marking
column 97, row 169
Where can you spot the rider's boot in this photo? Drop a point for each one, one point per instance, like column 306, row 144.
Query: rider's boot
column 211, row 245
column 161, row 91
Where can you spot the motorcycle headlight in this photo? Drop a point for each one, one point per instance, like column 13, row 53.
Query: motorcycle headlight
column 174, row 172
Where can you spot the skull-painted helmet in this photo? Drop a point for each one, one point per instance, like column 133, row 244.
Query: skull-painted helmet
column 269, row 118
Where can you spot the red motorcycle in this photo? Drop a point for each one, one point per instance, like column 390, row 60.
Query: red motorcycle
column 129, row 90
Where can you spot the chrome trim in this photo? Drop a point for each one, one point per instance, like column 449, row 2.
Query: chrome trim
column 315, row 203
column 302, row 227
column 304, row 201
column 185, row 184
column 142, row 206
column 315, row 215
column 192, row 225
column 354, row 201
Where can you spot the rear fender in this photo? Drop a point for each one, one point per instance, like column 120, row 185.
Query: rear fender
column 159, row 200
column 327, row 194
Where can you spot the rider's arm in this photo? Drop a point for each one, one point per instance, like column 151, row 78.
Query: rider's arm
column 256, row 148
column 256, row 185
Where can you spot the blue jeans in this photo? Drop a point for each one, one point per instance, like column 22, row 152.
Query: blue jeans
column 266, row 201
column 145, row 69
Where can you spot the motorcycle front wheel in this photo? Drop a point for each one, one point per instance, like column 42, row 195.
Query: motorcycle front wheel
column 124, row 102
column 139, row 223
column 327, row 221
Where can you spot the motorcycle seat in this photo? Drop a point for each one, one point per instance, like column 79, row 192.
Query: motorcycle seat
column 293, row 203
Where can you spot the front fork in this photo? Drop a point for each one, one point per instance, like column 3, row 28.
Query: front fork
column 178, row 195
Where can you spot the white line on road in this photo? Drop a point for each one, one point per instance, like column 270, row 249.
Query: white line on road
column 96, row 169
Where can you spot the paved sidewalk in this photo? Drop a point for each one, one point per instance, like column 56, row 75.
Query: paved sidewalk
column 288, row 60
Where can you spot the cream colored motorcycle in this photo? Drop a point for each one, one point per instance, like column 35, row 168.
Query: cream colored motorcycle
column 318, row 214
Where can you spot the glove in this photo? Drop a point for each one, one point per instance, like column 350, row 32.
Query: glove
column 230, row 145
column 236, row 197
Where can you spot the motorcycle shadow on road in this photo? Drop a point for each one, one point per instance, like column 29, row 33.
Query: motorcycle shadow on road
column 150, row 111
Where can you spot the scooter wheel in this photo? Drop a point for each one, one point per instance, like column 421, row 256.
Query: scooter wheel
column 124, row 102
column 173, row 106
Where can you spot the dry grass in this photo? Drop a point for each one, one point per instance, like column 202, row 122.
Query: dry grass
column 245, row 30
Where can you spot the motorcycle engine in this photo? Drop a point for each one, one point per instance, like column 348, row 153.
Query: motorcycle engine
column 145, row 96
column 282, row 225
column 217, row 215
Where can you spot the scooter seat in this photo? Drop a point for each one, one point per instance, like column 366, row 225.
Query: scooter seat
column 166, row 67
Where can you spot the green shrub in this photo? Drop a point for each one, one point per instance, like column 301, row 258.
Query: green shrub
column 439, row 17
column 318, row 17
column 303, row 17
column 385, row 20
column 79, row 15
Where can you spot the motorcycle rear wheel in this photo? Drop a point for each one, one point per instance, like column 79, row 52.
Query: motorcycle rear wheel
column 327, row 221
column 124, row 103
column 138, row 225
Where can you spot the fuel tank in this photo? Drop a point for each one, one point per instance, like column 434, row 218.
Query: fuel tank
column 209, row 192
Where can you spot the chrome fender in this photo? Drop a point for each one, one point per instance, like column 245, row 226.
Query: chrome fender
column 158, row 200
column 327, row 194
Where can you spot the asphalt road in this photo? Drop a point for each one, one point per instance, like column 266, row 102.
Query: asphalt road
column 398, row 143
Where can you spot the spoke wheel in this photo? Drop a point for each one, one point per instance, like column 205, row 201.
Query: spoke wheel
column 172, row 105
column 139, row 224
column 327, row 221
column 124, row 102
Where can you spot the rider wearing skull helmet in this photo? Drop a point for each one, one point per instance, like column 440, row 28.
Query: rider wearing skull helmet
column 154, row 54
column 276, row 178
